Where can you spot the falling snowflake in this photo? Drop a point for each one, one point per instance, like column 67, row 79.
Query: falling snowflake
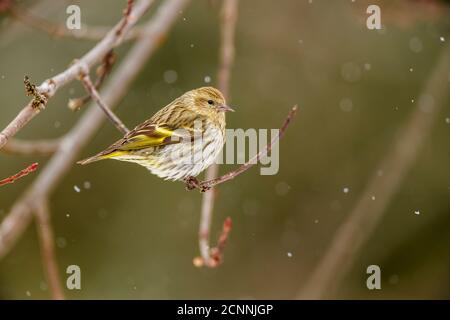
column 289, row 254
column 346, row 190
column 76, row 188
column 417, row 212
column 170, row 76
column 415, row 44
column 207, row 79
column 61, row 242
column 346, row 104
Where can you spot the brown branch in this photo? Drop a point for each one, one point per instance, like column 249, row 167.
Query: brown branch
column 205, row 185
column 366, row 215
column 102, row 71
column 228, row 25
column 50, row 86
column 89, row 86
column 30, row 147
column 216, row 252
column 20, row 174
column 119, row 83
column 56, row 30
column 126, row 15
column 49, row 262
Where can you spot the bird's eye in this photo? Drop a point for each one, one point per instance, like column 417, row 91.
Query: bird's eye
column 210, row 102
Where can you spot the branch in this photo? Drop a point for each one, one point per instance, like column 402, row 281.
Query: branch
column 47, row 245
column 208, row 184
column 89, row 86
column 19, row 175
column 55, row 30
column 228, row 26
column 50, row 86
column 119, row 83
column 365, row 216
column 216, row 253
column 30, row 147
column 102, row 71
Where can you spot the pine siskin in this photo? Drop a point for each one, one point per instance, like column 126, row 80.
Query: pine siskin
column 179, row 141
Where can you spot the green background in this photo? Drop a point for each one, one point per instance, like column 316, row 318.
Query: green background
column 134, row 236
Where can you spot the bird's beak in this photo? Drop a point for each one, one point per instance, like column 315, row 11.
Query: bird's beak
column 224, row 108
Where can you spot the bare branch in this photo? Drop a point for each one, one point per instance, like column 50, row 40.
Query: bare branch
column 55, row 30
column 156, row 29
column 208, row 184
column 45, row 233
column 89, row 86
column 50, row 86
column 20, row 174
column 365, row 216
column 30, row 147
column 216, row 253
column 102, row 71
column 228, row 26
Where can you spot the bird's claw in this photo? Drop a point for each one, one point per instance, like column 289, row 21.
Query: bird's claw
column 193, row 183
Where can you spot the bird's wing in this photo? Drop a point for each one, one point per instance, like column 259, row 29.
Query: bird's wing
column 150, row 135
column 142, row 137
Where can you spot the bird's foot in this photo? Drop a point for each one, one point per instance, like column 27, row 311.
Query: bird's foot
column 193, row 183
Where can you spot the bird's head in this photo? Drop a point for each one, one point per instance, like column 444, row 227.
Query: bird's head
column 208, row 101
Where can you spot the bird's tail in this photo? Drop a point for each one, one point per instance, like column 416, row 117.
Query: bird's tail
column 107, row 154
column 97, row 157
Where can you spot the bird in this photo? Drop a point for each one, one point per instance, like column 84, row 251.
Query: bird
column 179, row 141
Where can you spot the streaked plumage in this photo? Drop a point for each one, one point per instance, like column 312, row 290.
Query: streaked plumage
column 179, row 141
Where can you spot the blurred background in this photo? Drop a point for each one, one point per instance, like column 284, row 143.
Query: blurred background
column 134, row 236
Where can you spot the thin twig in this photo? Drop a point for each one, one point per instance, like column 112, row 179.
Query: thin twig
column 216, row 252
column 46, row 240
column 228, row 25
column 125, row 21
column 366, row 215
column 89, row 86
column 55, row 30
column 30, row 147
column 103, row 70
column 20, row 174
column 50, row 86
column 14, row 224
column 202, row 185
